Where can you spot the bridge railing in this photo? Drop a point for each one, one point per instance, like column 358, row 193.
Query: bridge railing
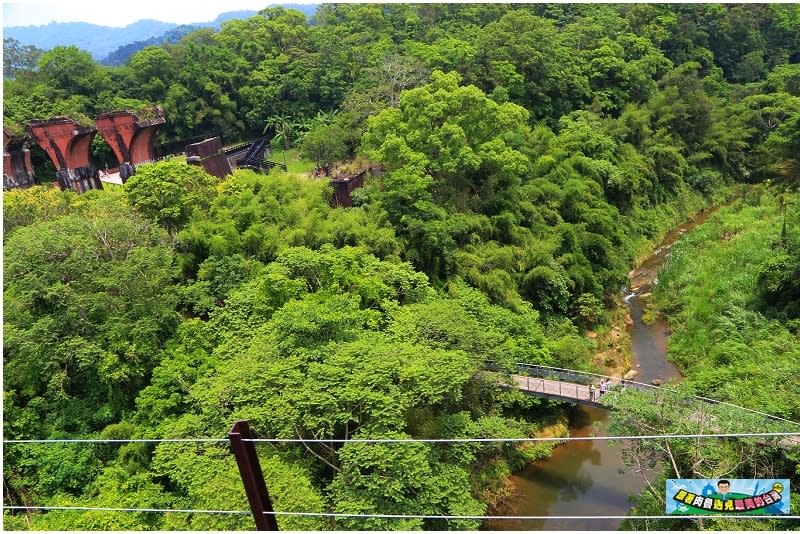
column 583, row 377
column 578, row 377
column 551, row 386
column 241, row 147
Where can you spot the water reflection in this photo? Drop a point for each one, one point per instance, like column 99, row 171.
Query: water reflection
column 580, row 478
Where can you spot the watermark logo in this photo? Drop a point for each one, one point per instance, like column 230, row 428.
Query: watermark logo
column 734, row 496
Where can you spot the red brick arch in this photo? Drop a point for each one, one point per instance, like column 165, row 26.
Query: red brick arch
column 65, row 141
column 130, row 138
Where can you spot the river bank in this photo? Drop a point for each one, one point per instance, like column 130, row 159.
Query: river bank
column 590, row 474
column 634, row 345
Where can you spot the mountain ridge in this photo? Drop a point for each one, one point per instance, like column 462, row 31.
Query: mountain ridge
column 95, row 39
column 105, row 42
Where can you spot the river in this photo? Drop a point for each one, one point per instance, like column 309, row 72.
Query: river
column 580, row 478
column 587, row 478
column 649, row 342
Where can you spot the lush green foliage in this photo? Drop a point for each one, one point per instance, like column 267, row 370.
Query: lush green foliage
column 523, row 157
column 723, row 340
column 727, row 288
column 674, row 411
column 83, row 327
column 167, row 193
column 323, row 342
column 18, row 59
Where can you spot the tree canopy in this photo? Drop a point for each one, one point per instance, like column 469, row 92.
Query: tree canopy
column 521, row 158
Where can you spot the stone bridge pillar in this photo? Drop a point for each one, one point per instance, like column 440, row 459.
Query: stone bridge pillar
column 17, row 168
column 67, row 144
column 130, row 137
column 210, row 155
column 343, row 187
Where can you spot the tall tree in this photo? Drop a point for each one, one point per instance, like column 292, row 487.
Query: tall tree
column 88, row 304
column 73, row 71
column 18, row 59
column 168, row 192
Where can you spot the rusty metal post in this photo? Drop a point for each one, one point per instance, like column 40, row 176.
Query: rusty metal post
column 252, row 477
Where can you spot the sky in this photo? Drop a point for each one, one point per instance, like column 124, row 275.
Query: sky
column 120, row 13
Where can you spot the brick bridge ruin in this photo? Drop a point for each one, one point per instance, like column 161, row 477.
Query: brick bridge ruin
column 17, row 168
column 67, row 144
column 130, row 135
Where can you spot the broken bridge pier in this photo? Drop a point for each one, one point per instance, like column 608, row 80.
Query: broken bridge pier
column 17, row 168
column 130, row 136
column 67, row 144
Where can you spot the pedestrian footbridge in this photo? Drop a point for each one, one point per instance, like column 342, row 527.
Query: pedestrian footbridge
column 569, row 385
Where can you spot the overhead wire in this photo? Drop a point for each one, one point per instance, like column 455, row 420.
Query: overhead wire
column 399, row 516
column 395, row 441
column 456, row 440
column 109, row 509
column 522, row 440
column 101, row 440
column 413, row 440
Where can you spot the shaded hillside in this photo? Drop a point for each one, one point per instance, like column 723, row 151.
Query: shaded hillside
column 115, row 45
column 123, row 53
column 97, row 40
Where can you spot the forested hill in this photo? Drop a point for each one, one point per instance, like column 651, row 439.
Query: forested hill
column 95, row 39
column 520, row 157
column 110, row 44
column 123, row 53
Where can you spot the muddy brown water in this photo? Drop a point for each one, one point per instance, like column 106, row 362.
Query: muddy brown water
column 587, row 478
column 580, row 478
column 649, row 342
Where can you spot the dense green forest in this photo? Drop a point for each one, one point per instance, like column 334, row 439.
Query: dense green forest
column 525, row 157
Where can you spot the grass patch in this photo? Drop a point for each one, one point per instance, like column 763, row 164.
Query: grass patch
column 708, row 288
column 295, row 164
column 108, row 186
column 650, row 314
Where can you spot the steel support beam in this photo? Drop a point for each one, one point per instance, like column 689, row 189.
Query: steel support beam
column 252, row 477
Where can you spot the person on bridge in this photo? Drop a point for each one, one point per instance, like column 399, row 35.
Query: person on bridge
column 603, row 386
column 591, row 392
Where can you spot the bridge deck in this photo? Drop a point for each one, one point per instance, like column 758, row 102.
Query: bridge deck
column 579, row 393
column 558, row 390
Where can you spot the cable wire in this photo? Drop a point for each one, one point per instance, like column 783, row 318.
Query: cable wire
column 402, row 516
column 99, row 440
column 104, row 509
column 413, row 440
column 521, row 440
column 520, row 517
